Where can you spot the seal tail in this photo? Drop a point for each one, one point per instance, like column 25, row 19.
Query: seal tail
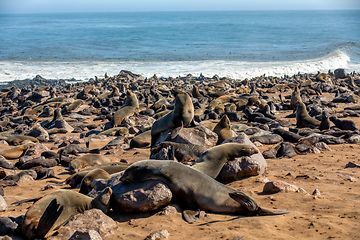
column 48, row 218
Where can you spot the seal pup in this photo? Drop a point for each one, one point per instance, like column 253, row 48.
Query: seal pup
column 325, row 121
column 223, row 129
column 213, row 160
column 181, row 116
column 194, row 189
column 54, row 210
column 303, row 118
column 295, row 97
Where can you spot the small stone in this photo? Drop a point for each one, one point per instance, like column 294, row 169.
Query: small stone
column 316, row 193
column 352, row 165
column 258, row 144
column 3, row 204
column 158, row 235
column 89, row 235
column 168, row 210
column 280, row 186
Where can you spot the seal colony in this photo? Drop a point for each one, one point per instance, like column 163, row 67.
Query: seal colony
column 189, row 127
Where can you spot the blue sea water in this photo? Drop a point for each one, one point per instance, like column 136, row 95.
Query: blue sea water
column 236, row 44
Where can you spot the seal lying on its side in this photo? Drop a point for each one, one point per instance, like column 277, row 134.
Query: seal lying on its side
column 55, row 210
column 194, row 189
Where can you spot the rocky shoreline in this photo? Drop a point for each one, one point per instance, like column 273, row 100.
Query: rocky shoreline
column 64, row 129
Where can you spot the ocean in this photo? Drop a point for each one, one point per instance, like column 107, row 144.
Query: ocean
column 236, row 44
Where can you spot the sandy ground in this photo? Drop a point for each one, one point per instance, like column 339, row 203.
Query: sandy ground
column 334, row 215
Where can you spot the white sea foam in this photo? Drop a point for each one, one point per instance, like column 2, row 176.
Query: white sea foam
column 235, row 69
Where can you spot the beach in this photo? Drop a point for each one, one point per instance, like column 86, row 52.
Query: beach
column 331, row 212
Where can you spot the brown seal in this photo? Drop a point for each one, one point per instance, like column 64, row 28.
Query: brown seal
column 87, row 160
column 182, row 115
column 194, row 189
column 54, row 210
column 17, row 151
column 303, row 118
column 98, row 173
column 295, row 97
column 213, row 160
column 223, row 129
column 131, row 106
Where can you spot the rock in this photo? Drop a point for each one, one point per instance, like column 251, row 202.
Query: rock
column 39, row 132
column 140, row 197
column 90, row 220
column 169, row 210
column 158, row 235
column 25, row 178
column 269, row 153
column 267, row 139
column 354, row 139
column 316, row 193
column 285, row 149
column 37, row 149
column 3, row 204
column 90, row 235
column 340, row 73
column 352, row 165
column 240, row 168
column 8, row 226
column 322, row 146
column 199, row 135
column 166, row 153
column 280, row 186
column 253, row 165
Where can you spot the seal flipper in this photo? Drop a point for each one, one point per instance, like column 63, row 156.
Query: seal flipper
column 176, row 131
column 190, row 215
column 245, row 201
column 49, row 217
column 265, row 212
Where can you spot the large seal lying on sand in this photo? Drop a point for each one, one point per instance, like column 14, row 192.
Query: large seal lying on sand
column 55, row 210
column 194, row 189
column 213, row 160
column 182, row 115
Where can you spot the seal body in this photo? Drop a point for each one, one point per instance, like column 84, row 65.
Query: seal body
column 192, row 188
column 303, row 119
column 223, row 129
column 55, row 210
column 213, row 160
column 182, row 115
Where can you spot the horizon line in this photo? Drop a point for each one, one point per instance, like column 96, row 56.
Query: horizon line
column 157, row 11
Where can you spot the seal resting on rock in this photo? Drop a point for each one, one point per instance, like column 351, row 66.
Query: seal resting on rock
column 181, row 116
column 194, row 189
column 213, row 160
